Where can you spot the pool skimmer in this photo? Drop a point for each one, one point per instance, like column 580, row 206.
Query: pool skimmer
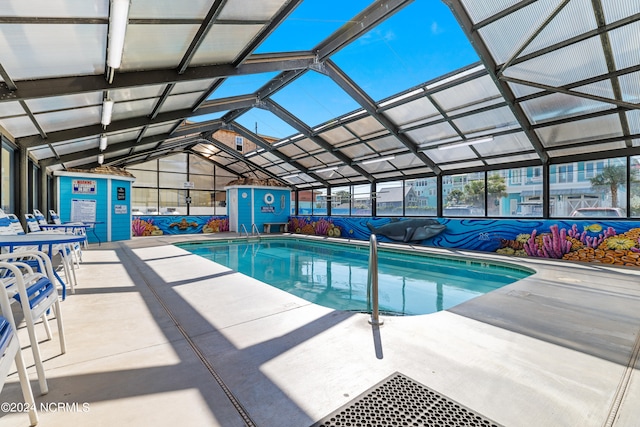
column 400, row 401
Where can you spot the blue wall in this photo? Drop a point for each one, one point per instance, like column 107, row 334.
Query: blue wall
column 603, row 241
column 120, row 222
column 66, row 196
column 105, row 205
column 261, row 205
column 277, row 211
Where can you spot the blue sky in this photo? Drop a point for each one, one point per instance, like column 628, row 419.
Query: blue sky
column 420, row 42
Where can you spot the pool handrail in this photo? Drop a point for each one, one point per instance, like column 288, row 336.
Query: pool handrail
column 255, row 227
column 372, row 282
column 245, row 230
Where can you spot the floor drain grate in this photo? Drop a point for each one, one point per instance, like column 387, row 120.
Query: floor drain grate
column 400, row 401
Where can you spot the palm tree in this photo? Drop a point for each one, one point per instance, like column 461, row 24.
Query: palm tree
column 612, row 176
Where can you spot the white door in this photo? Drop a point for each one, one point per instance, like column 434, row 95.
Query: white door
column 233, row 209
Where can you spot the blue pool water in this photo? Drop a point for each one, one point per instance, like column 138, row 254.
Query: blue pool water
column 335, row 275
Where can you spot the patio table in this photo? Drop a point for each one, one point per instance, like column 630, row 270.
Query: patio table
column 46, row 243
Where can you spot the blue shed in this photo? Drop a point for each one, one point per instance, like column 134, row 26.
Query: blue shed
column 98, row 198
column 266, row 207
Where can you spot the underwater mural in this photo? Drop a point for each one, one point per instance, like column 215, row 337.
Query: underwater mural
column 609, row 242
column 166, row 224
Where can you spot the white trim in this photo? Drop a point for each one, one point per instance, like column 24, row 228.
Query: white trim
column 231, row 187
column 253, row 211
column 57, row 184
column 109, row 192
column 93, row 175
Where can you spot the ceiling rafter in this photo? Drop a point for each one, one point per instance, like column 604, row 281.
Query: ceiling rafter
column 234, row 172
column 62, row 86
column 267, row 147
column 359, row 25
column 505, row 12
column 353, row 90
column 111, row 148
column 604, row 28
column 483, row 52
column 120, row 125
column 231, row 152
column 611, row 66
column 301, row 127
column 244, row 56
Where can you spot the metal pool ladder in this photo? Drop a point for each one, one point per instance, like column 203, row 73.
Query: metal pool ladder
column 372, row 282
column 254, row 227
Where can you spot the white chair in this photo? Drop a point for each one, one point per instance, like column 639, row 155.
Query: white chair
column 16, row 226
column 11, row 351
column 32, row 223
column 54, row 217
column 42, row 220
column 6, row 228
column 37, row 295
column 71, row 254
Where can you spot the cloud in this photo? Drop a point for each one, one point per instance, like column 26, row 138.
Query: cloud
column 436, row 29
column 377, row 36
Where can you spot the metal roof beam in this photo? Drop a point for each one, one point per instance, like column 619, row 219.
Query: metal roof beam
column 483, row 52
column 359, row 25
column 266, row 146
column 121, row 125
column 124, row 145
column 516, row 7
column 605, row 28
column 61, row 86
column 233, row 153
column 548, row 88
column 266, row 32
column 353, row 90
column 301, row 127
column 271, row 87
column 197, row 40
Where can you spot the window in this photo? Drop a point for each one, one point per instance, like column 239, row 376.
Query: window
column 319, row 202
column 340, row 200
column 516, row 176
column 498, row 197
column 389, row 200
column 160, row 187
column 361, row 204
column 607, row 188
column 420, row 197
column 465, row 195
column 239, row 143
column 8, row 183
column 565, row 173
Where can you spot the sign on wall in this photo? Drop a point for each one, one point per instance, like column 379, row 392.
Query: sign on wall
column 83, row 210
column 121, row 193
column 84, row 186
column 120, row 209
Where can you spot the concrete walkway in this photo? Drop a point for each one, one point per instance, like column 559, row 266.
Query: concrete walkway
column 158, row 336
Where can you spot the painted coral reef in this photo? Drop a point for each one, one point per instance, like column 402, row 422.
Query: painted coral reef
column 215, row 225
column 592, row 244
column 141, row 227
column 322, row 227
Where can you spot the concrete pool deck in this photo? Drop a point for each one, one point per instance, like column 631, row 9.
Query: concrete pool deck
column 158, row 336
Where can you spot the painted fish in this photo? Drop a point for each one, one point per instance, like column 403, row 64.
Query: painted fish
column 595, row 228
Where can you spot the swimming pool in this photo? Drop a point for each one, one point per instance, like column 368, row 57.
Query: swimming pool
column 335, row 274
